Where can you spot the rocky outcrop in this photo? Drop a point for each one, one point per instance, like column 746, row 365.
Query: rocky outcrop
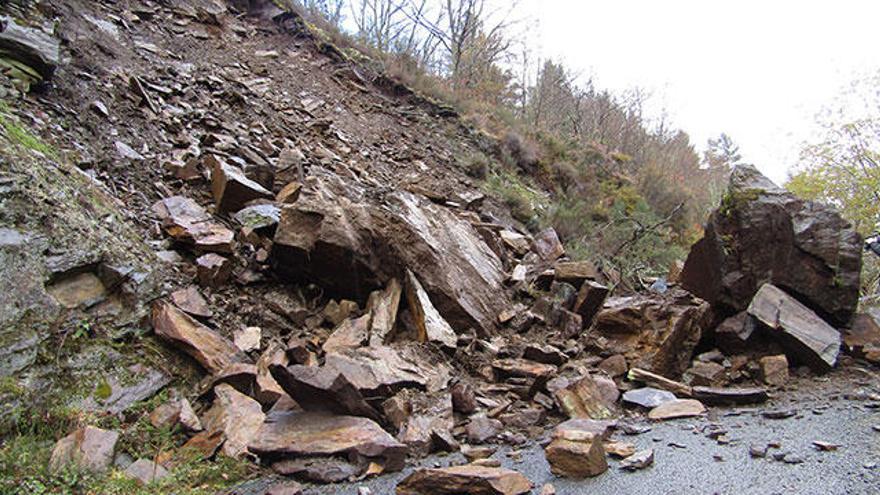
column 657, row 332
column 30, row 47
column 352, row 246
column 764, row 234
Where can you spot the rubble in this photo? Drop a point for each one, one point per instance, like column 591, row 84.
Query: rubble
column 247, row 339
column 583, row 398
column 236, row 415
column 213, row 270
column 798, row 329
column 231, row 189
column 763, row 234
column 655, row 332
column 477, row 480
column 191, row 301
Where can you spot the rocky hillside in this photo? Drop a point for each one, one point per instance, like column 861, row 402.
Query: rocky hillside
column 230, row 249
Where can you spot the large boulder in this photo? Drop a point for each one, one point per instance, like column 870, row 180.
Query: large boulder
column 657, row 332
column 352, row 243
column 764, row 234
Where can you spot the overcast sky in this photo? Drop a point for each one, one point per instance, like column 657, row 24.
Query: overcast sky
column 757, row 70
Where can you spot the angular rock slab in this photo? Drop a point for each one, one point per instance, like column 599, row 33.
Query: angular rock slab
column 238, row 416
column 88, row 448
column 334, row 235
column 576, row 459
column 310, row 434
column 648, row 397
column 231, row 188
column 806, row 336
column 583, row 399
column 470, row 479
column 145, row 471
column 382, row 306
column 206, row 346
column 657, row 332
column 764, row 234
column 679, row 408
column 430, row 325
column 32, row 47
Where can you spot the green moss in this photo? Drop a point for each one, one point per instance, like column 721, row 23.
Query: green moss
column 21, row 136
column 734, row 200
column 522, row 200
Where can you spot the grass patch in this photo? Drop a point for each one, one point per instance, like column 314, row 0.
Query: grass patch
column 524, row 202
column 20, row 136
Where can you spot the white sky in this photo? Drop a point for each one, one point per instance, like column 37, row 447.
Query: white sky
column 757, row 70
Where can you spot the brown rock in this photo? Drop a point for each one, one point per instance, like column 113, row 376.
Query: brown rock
column 615, row 366
column 570, row 324
column 518, row 243
column 350, row 334
column 862, row 338
column 522, row 368
column 190, row 300
column 576, row 459
column 727, row 396
column 764, row 234
column 705, row 374
column 575, row 272
column 308, row 434
column 548, row 489
column 213, row 270
column 679, row 408
column 337, row 312
column 173, row 412
column 398, row 409
column 352, row 246
column 463, row 398
column 267, row 391
column 289, row 193
column 733, row 334
column 546, row 354
column 431, row 417
column 547, row 245
column 471, row 479
column 774, row 370
column 584, row 399
column 656, row 332
column 620, row 449
column 430, row 325
column 238, row 416
column 661, row 382
column 231, row 189
column 185, row 221
column 639, row 460
column 577, row 430
column 88, row 448
column 318, row 469
column 203, row 445
column 589, row 300
column 204, row 345
column 383, row 306
column 799, row 330
column 481, row 429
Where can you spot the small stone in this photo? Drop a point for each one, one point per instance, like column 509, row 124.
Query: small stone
column 679, row 408
column 576, row 459
column 639, row 460
column 231, row 188
column 548, row 489
column 87, row 448
column 779, row 414
column 648, row 397
column 473, row 453
column 792, row 458
column 213, row 270
column 480, row 429
column 774, row 370
column 247, row 339
column 145, row 471
column 825, row 446
column 620, row 449
column 463, row 398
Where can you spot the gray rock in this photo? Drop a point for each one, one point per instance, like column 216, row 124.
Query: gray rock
column 648, row 397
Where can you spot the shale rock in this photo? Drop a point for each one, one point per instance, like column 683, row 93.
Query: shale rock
column 231, row 189
column 310, row 434
column 801, row 331
column 655, row 332
column 764, row 234
column 576, row 459
column 430, row 325
column 583, row 398
column 145, row 471
column 679, row 408
column 238, row 416
column 206, row 346
column 352, row 246
column 31, row 47
column 470, row 479
column 87, row 448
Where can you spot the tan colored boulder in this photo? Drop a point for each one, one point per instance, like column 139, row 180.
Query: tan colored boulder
column 383, row 306
column 800, row 331
column 206, row 346
column 430, row 325
column 186, row 221
column 88, row 448
column 471, row 479
column 350, row 334
column 238, row 416
column 576, row 459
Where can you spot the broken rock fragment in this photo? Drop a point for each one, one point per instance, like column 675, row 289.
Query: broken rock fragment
column 231, row 188
column 310, row 434
column 238, row 416
column 206, row 346
column 382, row 307
column 145, row 471
column 639, row 460
column 583, row 398
column 589, row 300
column 430, row 324
column 798, row 329
column 350, row 334
column 471, row 479
column 648, row 397
column 679, row 408
column 190, row 300
column 774, row 370
column 247, row 339
column 213, row 270
column 88, row 448
column 576, row 459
